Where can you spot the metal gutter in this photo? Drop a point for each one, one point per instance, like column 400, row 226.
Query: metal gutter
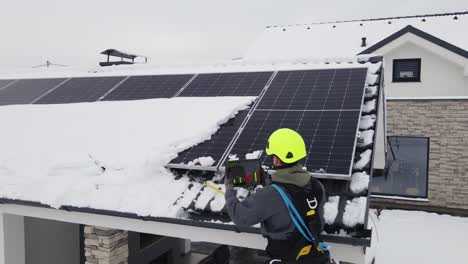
column 354, row 241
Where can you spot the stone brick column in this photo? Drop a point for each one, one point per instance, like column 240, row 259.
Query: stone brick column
column 105, row 245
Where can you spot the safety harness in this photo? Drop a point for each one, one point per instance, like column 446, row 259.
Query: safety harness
column 301, row 226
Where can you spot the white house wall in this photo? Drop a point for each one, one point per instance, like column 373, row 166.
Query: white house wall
column 439, row 76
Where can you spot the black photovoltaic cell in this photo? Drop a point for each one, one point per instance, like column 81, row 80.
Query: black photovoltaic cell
column 88, row 89
column 227, row 84
column 4, row 83
column 147, row 87
column 329, row 136
column 217, row 145
column 27, row 90
column 316, row 90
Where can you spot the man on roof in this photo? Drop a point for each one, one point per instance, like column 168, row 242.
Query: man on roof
column 290, row 210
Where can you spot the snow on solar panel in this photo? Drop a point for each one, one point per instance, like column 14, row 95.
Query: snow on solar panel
column 227, row 84
column 27, row 90
column 216, row 146
column 88, row 89
column 149, row 86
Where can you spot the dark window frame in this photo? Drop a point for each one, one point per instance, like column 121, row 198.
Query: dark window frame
column 396, row 77
column 426, row 195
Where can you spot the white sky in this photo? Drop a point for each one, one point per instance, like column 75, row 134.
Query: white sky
column 74, row 32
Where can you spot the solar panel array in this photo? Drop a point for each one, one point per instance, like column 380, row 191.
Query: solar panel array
column 27, row 90
column 4, row 83
column 227, row 84
column 147, row 87
column 88, row 89
column 322, row 105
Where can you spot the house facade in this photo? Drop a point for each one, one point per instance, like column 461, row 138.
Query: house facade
column 426, row 90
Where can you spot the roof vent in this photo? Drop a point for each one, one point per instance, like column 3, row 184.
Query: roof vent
column 334, row 26
column 284, row 29
column 423, row 20
column 361, row 24
column 308, row 27
column 363, row 42
column 455, row 18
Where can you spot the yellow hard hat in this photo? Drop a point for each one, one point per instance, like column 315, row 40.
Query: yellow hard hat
column 287, row 145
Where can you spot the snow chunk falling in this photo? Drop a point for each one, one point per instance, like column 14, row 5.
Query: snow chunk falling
column 359, row 182
column 367, row 122
column 365, row 158
column 355, row 212
column 105, row 155
column 369, row 106
column 330, row 209
column 365, row 138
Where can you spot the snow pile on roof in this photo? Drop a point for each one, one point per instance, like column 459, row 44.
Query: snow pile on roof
column 408, row 237
column 345, row 39
column 367, row 121
column 369, row 106
column 106, row 155
column 330, row 209
column 359, row 182
column 365, row 158
column 355, row 212
column 365, row 138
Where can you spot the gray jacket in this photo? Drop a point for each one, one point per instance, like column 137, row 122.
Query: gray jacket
column 266, row 206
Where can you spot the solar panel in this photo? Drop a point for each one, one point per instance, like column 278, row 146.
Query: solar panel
column 329, row 135
column 227, row 84
column 88, row 89
column 316, row 90
column 147, row 87
column 4, row 83
column 27, row 90
column 324, row 106
column 217, row 145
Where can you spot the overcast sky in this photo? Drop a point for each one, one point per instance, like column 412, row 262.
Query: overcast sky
column 168, row 31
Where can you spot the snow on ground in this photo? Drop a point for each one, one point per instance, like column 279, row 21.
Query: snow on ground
column 420, row 237
column 106, row 155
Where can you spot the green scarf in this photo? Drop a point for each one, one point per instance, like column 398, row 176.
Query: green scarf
column 294, row 175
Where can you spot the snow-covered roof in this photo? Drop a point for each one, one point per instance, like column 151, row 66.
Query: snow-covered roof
column 105, row 155
column 320, row 62
column 344, row 39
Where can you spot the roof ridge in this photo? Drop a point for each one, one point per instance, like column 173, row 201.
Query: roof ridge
column 375, row 19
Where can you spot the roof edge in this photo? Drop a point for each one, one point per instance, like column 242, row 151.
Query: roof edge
column 424, row 35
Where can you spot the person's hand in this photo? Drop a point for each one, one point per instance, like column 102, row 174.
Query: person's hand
column 228, row 183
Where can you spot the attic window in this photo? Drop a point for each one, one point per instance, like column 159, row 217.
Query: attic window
column 407, row 70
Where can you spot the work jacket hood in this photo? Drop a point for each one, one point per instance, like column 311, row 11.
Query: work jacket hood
column 293, row 175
